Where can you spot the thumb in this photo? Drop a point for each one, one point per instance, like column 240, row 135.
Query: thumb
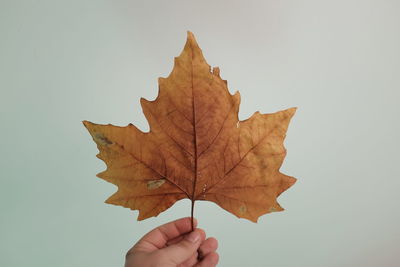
column 180, row 252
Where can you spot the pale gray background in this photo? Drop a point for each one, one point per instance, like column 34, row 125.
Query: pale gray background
column 62, row 62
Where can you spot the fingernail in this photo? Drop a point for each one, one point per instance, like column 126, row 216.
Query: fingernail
column 193, row 237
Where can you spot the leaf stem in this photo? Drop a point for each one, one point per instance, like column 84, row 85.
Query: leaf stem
column 191, row 214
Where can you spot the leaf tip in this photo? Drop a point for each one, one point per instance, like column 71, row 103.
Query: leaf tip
column 190, row 34
column 191, row 41
column 143, row 101
column 286, row 183
column 216, row 72
column 86, row 123
column 291, row 111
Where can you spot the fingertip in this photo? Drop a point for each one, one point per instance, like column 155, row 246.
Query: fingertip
column 213, row 242
column 202, row 233
column 213, row 258
column 208, row 246
column 209, row 260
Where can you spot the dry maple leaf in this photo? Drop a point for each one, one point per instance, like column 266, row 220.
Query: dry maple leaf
column 196, row 147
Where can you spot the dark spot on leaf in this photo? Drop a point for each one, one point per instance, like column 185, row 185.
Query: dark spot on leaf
column 155, row 184
column 101, row 139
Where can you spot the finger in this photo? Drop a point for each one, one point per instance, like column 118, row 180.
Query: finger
column 158, row 237
column 176, row 240
column 208, row 246
column 179, row 238
column 182, row 251
column 210, row 260
column 191, row 261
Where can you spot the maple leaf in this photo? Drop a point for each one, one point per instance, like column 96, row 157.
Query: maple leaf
column 196, row 147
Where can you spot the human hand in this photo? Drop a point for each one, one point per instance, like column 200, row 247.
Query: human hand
column 172, row 245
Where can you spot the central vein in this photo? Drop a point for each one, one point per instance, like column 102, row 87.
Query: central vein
column 195, row 141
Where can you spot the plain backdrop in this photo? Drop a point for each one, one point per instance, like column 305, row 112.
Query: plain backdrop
column 62, row 62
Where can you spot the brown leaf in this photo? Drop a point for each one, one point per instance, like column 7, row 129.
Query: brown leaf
column 196, row 147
